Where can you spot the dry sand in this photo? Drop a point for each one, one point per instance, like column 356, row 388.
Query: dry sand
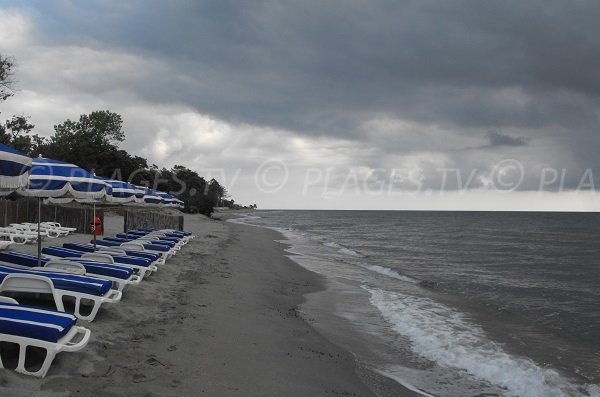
column 219, row 319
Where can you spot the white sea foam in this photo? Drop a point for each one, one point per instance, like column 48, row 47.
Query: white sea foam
column 244, row 220
column 348, row 251
column 391, row 273
column 341, row 249
column 448, row 338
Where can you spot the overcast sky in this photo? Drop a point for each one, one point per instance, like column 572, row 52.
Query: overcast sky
column 332, row 104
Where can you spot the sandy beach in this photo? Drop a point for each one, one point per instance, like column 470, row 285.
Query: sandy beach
column 220, row 318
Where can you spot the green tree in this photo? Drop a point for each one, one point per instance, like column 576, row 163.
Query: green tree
column 7, row 65
column 15, row 132
column 92, row 143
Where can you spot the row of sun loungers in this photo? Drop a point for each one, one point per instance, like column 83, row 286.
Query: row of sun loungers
column 80, row 274
column 25, row 233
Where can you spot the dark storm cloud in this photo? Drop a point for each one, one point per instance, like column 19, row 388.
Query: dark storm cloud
column 317, row 66
column 323, row 68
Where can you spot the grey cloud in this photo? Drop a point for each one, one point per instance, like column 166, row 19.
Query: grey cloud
column 498, row 139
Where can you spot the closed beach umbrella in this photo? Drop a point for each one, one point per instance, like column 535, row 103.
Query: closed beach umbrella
column 14, row 170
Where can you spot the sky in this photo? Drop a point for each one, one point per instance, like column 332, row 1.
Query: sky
column 461, row 105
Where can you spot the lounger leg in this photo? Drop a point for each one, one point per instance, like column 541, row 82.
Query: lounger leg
column 77, row 306
column 50, row 354
column 58, row 301
column 120, row 285
column 21, row 362
column 89, row 317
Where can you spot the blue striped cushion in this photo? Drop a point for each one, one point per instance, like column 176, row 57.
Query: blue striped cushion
column 107, row 243
column 61, row 252
column 35, row 323
column 169, row 240
column 152, row 247
column 19, row 258
column 131, row 260
column 169, row 244
column 90, row 248
column 107, row 269
column 82, row 284
column 69, row 253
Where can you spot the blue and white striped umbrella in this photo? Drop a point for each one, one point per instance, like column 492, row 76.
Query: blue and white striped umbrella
column 167, row 199
column 151, row 196
column 119, row 192
column 14, row 170
column 53, row 178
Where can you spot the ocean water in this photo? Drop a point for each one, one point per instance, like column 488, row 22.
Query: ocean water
column 457, row 303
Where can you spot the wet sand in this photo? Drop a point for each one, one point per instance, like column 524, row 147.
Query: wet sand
column 218, row 319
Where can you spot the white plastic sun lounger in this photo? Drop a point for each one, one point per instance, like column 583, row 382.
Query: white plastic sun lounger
column 55, row 283
column 182, row 239
column 116, row 251
column 49, row 330
column 17, row 236
column 164, row 236
column 156, row 240
column 182, row 233
column 53, row 232
column 57, row 225
column 105, row 263
column 170, row 244
column 123, row 251
column 74, row 266
column 139, row 246
column 30, row 231
column 120, row 276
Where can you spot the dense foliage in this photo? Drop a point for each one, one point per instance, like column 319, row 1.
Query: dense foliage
column 92, row 142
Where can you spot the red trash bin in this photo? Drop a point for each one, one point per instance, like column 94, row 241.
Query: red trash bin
column 96, row 226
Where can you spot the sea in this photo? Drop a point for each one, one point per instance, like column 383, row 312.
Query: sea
column 456, row 303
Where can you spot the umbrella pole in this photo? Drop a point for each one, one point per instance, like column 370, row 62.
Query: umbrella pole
column 94, row 231
column 39, row 234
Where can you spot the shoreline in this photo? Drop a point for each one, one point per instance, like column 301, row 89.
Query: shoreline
column 379, row 382
column 220, row 318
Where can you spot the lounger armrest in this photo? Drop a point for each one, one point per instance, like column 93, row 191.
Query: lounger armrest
column 135, row 279
column 113, row 296
column 65, row 266
column 6, row 299
column 67, row 344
